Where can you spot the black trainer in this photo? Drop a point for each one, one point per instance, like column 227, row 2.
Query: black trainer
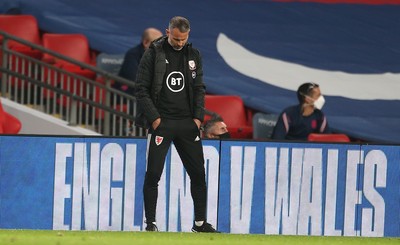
column 206, row 227
column 151, row 227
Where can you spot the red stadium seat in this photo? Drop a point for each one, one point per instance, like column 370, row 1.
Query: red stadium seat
column 328, row 138
column 8, row 123
column 233, row 111
column 75, row 46
column 24, row 27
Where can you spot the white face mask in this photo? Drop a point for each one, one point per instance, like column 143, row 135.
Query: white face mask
column 319, row 103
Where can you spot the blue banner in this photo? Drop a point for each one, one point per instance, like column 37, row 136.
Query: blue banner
column 309, row 189
column 95, row 183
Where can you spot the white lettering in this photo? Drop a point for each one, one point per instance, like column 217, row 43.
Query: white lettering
column 98, row 187
column 211, row 158
column 130, row 188
column 274, row 188
column 373, row 219
column 353, row 197
column 309, row 222
column 292, row 198
column 110, row 206
column 242, row 178
column 86, row 185
column 112, row 61
column 282, row 211
column 331, row 194
column 62, row 190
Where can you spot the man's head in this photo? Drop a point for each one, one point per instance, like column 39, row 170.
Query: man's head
column 178, row 32
column 216, row 129
column 310, row 94
column 149, row 35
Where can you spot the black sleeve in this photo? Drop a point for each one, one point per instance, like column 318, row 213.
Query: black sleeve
column 144, row 80
column 199, row 89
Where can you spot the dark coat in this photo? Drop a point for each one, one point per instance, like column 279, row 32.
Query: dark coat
column 150, row 78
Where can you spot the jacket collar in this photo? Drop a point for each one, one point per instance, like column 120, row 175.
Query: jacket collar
column 160, row 41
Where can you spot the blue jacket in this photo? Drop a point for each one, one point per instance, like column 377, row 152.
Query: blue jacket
column 292, row 125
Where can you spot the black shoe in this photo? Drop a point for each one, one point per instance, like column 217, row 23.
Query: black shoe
column 206, row 227
column 151, row 227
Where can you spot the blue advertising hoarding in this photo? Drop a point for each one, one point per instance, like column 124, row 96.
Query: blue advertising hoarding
column 309, row 189
column 95, row 183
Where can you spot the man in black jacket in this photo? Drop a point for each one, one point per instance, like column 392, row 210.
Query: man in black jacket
column 170, row 94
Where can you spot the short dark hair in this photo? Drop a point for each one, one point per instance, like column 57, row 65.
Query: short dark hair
column 179, row 22
column 305, row 90
column 210, row 123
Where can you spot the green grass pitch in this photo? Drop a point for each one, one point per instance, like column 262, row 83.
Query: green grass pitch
column 25, row 237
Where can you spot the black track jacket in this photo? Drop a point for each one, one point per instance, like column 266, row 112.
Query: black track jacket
column 150, row 77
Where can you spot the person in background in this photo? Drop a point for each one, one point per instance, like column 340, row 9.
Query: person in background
column 170, row 93
column 132, row 59
column 129, row 68
column 215, row 128
column 298, row 121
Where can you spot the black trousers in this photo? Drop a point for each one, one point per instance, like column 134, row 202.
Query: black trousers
column 186, row 137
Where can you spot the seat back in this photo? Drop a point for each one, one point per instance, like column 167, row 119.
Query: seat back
column 233, row 112
column 22, row 26
column 328, row 137
column 263, row 125
column 75, row 46
column 229, row 107
column 8, row 123
column 110, row 62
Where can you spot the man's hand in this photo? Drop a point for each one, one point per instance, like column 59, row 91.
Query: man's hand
column 197, row 121
column 156, row 123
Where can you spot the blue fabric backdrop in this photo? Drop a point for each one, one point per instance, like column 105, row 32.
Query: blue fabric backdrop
column 352, row 39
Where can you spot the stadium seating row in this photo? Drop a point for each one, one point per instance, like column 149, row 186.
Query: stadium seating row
column 26, row 27
column 76, row 46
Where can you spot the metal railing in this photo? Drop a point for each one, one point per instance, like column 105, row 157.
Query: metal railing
column 87, row 101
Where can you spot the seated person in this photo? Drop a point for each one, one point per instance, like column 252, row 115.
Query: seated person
column 133, row 56
column 298, row 121
column 215, row 128
column 130, row 65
